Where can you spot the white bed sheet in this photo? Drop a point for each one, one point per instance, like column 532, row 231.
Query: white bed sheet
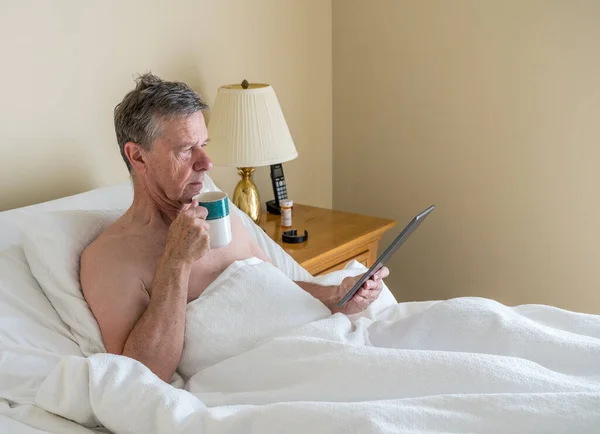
column 30, row 419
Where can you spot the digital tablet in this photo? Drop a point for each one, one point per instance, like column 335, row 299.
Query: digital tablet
column 389, row 252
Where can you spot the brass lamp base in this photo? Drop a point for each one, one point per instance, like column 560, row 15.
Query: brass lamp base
column 245, row 195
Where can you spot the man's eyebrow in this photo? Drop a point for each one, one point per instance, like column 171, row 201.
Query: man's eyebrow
column 188, row 144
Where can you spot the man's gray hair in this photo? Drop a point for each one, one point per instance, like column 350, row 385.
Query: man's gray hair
column 138, row 116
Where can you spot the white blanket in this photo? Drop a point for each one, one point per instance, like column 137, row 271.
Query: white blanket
column 281, row 364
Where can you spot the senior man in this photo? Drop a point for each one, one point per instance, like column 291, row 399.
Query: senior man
column 139, row 275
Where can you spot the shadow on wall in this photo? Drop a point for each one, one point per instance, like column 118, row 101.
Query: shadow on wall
column 56, row 174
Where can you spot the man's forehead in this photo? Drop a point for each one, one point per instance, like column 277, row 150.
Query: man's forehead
column 185, row 129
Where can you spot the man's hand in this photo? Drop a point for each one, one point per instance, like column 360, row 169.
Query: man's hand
column 366, row 295
column 188, row 239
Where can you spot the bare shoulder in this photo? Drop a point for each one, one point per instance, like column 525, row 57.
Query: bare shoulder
column 108, row 262
column 106, row 251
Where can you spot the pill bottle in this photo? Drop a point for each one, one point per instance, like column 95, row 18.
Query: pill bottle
column 286, row 206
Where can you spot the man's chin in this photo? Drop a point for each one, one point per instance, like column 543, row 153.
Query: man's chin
column 192, row 190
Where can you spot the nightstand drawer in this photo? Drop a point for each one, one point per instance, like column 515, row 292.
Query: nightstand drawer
column 363, row 258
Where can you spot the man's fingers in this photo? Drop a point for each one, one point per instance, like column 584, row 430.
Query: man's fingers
column 359, row 298
column 383, row 273
column 200, row 212
column 369, row 292
column 370, row 289
column 369, row 284
column 366, row 295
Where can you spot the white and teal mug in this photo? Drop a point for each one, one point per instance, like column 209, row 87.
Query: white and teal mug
column 217, row 204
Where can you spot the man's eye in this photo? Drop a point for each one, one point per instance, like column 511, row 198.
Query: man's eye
column 184, row 153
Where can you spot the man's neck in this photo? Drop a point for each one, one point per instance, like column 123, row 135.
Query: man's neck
column 150, row 206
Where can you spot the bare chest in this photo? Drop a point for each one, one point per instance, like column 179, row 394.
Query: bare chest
column 205, row 270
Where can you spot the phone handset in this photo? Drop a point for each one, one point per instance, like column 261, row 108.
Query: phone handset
column 279, row 189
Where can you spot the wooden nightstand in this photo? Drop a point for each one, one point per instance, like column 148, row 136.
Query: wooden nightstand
column 334, row 237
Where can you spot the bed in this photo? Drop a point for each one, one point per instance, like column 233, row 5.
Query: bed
column 462, row 365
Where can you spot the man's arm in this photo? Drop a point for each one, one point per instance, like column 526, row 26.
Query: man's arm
column 149, row 329
column 157, row 338
column 328, row 295
column 331, row 295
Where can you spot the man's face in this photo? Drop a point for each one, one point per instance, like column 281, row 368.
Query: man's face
column 177, row 162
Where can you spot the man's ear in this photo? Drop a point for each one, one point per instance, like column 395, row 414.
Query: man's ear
column 136, row 156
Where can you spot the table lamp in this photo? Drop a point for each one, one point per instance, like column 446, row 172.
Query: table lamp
column 247, row 129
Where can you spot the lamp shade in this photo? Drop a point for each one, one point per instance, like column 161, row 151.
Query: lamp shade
column 247, row 128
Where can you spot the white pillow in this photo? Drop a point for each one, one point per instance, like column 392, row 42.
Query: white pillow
column 53, row 243
column 32, row 335
column 26, row 316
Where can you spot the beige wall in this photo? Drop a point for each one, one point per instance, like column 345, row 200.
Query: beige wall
column 490, row 110
column 65, row 64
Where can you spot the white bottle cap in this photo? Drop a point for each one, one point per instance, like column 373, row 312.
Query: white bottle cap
column 286, row 203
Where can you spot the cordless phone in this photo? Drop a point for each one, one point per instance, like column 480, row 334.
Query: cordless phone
column 279, row 189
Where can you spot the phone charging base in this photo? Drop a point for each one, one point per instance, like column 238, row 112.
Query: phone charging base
column 273, row 207
column 292, row 237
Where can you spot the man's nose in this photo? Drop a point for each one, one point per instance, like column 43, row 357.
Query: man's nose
column 203, row 162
